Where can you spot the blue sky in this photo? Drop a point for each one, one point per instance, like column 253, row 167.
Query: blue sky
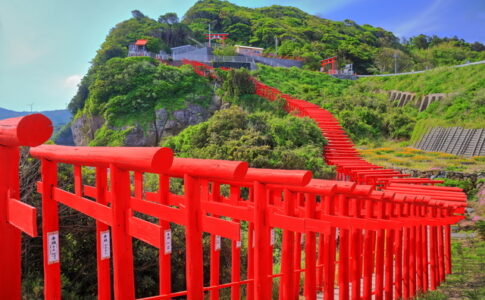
column 46, row 46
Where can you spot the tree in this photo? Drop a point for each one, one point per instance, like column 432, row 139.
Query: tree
column 478, row 46
column 169, row 18
column 137, row 14
column 173, row 33
column 420, row 41
column 391, row 60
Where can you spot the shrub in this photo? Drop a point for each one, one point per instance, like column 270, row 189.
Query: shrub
column 480, row 226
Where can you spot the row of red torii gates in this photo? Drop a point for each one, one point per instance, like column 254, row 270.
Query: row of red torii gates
column 371, row 234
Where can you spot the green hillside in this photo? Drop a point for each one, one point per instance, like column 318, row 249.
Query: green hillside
column 299, row 34
column 363, row 108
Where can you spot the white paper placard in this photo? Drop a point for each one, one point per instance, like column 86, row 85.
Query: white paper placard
column 168, row 241
column 217, row 243
column 105, row 244
column 239, row 243
column 53, row 247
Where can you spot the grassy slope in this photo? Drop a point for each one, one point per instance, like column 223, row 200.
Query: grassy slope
column 466, row 106
column 393, row 155
column 439, row 80
column 467, row 280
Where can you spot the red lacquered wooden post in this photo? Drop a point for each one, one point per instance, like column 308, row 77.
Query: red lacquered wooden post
column 235, row 251
column 50, row 232
column 424, row 250
column 30, row 130
column 412, row 256
column 406, row 262
column 406, row 253
column 389, row 268
column 419, row 252
column 398, row 250
column 441, row 254
column 320, row 278
column 262, row 242
column 164, row 254
column 287, row 262
column 329, row 252
column 297, row 256
column 10, row 255
column 193, row 234
column 399, row 263
column 250, row 265
column 379, row 289
column 343, row 267
column 215, row 248
column 103, row 240
column 310, row 251
column 390, row 236
column 448, row 249
column 419, row 259
column 432, row 258
column 368, row 253
column 250, row 246
column 123, row 273
column 356, row 248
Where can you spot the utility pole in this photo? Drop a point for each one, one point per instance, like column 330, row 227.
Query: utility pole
column 31, row 105
column 276, row 45
column 395, row 62
column 210, row 37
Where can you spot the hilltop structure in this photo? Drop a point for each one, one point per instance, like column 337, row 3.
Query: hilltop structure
column 246, row 57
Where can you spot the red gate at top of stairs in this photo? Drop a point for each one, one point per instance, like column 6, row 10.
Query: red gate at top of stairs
column 337, row 235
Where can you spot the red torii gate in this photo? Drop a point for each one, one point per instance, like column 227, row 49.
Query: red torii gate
column 15, row 216
column 217, row 36
column 387, row 235
column 332, row 62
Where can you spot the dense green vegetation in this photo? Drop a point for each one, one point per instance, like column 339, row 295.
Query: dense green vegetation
column 253, row 130
column 395, row 155
column 365, row 114
column 298, row 34
column 464, row 107
column 128, row 91
column 365, row 111
column 161, row 35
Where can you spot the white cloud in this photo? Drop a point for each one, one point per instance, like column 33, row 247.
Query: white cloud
column 23, row 53
column 425, row 21
column 72, row 81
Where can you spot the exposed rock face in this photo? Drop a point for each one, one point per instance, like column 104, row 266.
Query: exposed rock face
column 65, row 137
column 165, row 124
column 84, row 128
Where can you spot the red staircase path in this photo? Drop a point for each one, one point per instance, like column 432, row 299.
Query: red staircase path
column 342, row 153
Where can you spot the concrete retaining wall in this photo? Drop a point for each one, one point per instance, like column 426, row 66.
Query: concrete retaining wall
column 403, row 98
column 454, row 140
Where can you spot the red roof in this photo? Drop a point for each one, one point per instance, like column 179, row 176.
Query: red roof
column 141, row 42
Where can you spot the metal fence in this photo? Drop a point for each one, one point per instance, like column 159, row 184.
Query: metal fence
column 417, row 72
